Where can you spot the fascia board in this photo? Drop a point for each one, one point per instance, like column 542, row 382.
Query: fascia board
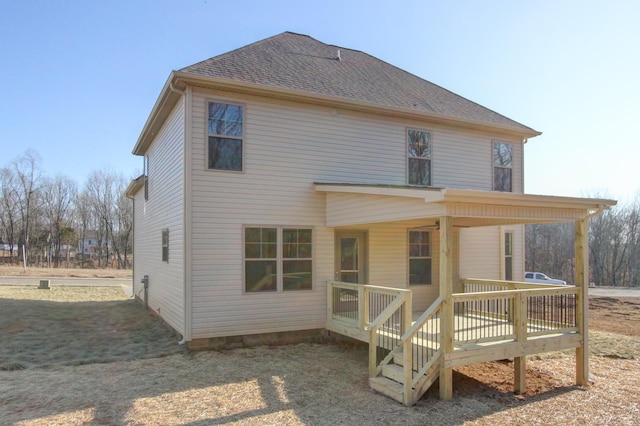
column 337, row 102
column 524, row 200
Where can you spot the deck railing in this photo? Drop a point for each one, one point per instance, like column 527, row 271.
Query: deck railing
column 373, row 314
column 502, row 310
column 477, row 285
column 421, row 350
column 490, row 319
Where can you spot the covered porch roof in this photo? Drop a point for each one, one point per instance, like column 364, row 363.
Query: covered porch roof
column 349, row 204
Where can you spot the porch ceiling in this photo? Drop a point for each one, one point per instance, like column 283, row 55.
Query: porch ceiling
column 349, row 204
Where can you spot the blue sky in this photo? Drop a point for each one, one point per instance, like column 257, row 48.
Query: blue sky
column 80, row 77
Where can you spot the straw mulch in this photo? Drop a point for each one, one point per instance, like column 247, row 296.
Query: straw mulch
column 299, row 384
column 150, row 384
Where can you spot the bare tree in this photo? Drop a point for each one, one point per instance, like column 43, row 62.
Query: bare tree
column 124, row 226
column 58, row 195
column 9, row 214
column 40, row 214
column 27, row 172
column 84, row 221
column 614, row 247
column 105, row 191
column 549, row 248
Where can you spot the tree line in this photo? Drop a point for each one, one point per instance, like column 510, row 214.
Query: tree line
column 47, row 220
column 614, row 247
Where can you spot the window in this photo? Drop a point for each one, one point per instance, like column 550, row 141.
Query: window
column 419, row 257
column 165, row 245
column 502, row 166
column 225, row 136
column 419, row 157
column 508, row 256
column 261, row 259
column 277, row 259
column 296, row 259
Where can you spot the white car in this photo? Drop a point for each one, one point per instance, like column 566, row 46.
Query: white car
column 540, row 278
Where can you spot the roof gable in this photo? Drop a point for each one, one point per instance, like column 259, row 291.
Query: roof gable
column 301, row 63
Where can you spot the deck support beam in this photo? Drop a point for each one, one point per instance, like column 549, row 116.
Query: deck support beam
column 520, row 362
column 446, row 292
column 582, row 302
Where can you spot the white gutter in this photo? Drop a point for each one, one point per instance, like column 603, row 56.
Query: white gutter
column 467, row 196
column 346, row 103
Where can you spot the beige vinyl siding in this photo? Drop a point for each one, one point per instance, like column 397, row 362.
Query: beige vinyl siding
column 389, row 257
column 288, row 147
column 481, row 252
column 163, row 209
column 346, row 209
column 462, row 160
column 465, row 161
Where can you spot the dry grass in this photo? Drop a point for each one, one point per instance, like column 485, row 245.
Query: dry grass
column 18, row 271
column 297, row 384
column 76, row 325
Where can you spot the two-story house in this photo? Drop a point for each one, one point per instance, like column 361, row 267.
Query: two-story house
column 287, row 180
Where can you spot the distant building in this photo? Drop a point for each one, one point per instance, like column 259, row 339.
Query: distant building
column 91, row 246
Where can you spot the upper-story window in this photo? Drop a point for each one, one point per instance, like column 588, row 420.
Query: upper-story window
column 502, row 167
column 419, row 157
column 225, row 136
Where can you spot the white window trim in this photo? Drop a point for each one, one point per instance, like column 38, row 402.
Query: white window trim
column 504, row 255
column 163, row 245
column 280, row 259
column 429, row 158
column 207, row 134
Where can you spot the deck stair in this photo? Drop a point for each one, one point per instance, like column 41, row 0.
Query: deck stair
column 490, row 320
column 405, row 377
column 391, row 380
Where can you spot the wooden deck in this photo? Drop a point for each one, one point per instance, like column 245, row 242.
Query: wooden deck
column 496, row 320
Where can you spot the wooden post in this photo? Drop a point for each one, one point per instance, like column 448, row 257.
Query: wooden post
column 582, row 299
column 363, row 306
column 407, row 311
column 330, row 298
column 520, row 328
column 373, row 349
column 407, row 347
column 446, row 317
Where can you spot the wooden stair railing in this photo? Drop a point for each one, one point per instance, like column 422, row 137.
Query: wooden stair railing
column 412, row 366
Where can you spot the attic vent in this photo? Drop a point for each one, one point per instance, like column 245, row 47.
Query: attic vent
column 338, row 57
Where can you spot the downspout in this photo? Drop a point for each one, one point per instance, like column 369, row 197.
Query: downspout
column 133, row 245
column 186, row 240
column 188, row 214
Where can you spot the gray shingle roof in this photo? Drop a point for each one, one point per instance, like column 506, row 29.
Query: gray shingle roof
column 299, row 62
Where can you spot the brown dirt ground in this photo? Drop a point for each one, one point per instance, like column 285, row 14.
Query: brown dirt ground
column 620, row 315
